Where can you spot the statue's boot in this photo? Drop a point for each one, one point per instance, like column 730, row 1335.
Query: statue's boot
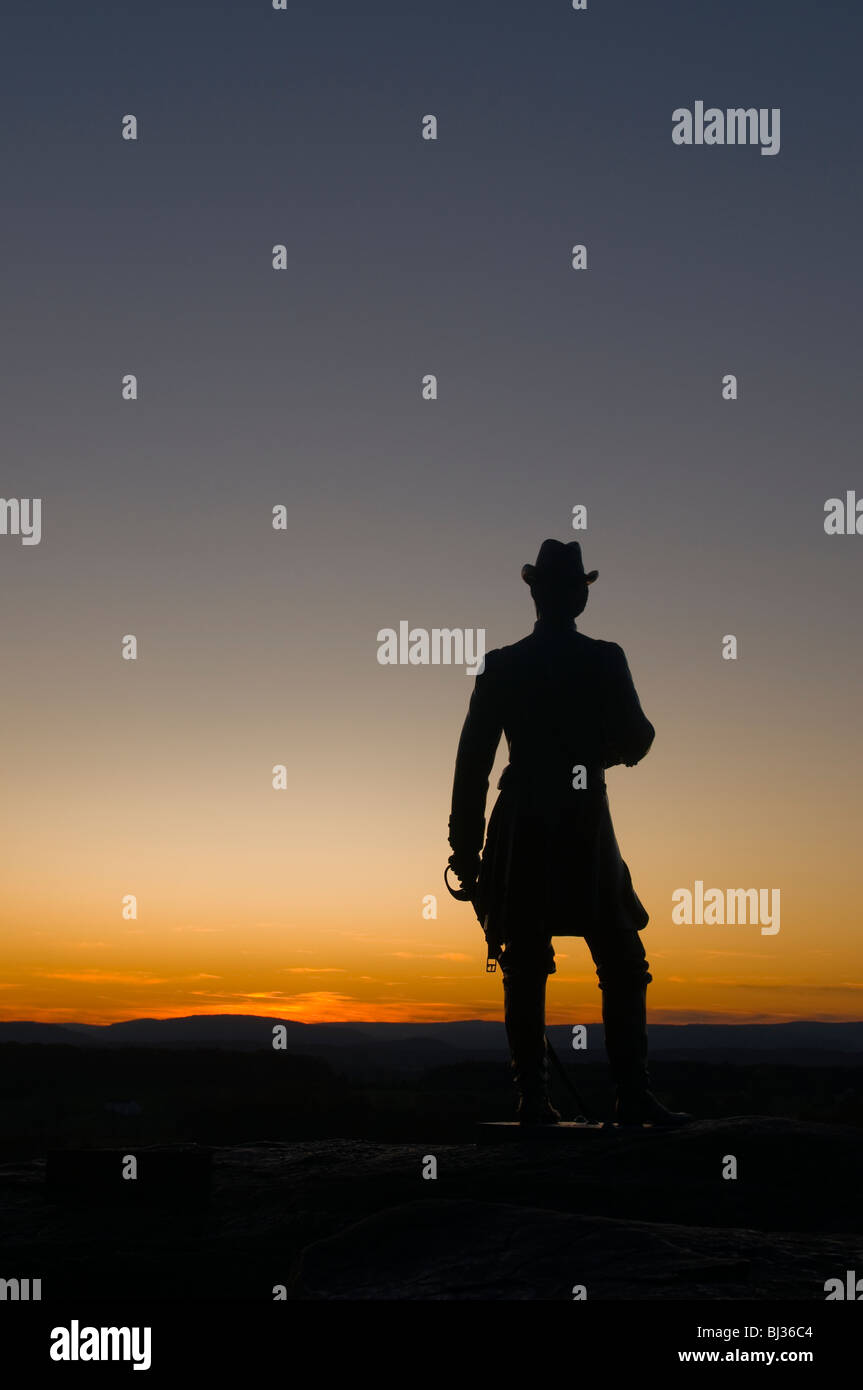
column 624, row 1015
column 524, row 1014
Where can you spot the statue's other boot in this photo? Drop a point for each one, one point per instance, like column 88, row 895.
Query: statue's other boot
column 524, row 1014
column 624, row 1015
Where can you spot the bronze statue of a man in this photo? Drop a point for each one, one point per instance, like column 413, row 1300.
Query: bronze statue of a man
column 551, row 864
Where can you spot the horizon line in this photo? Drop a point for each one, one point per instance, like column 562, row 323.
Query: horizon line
column 717, row 1019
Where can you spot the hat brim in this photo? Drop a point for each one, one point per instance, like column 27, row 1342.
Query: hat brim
column 528, row 574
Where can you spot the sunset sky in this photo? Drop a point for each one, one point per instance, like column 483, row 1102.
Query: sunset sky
column 303, row 388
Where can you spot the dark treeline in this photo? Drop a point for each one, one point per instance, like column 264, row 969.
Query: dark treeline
column 54, row 1097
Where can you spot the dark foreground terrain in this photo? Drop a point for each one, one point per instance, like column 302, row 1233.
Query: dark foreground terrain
column 317, row 1183
column 643, row 1216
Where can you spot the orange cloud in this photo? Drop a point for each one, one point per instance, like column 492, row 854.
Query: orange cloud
column 313, row 970
column 97, row 977
column 438, row 955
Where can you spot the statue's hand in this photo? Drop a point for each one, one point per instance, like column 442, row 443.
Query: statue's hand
column 466, row 868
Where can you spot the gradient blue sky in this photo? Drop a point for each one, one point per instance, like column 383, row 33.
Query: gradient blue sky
column 303, row 388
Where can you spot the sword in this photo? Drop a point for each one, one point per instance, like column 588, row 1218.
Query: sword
column 468, row 895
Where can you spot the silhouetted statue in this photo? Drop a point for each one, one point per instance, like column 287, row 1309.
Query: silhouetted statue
column 551, row 865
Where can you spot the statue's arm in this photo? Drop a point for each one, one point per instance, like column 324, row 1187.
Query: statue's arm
column 628, row 732
column 477, row 747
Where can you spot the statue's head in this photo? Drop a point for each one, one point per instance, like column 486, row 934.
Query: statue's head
column 558, row 583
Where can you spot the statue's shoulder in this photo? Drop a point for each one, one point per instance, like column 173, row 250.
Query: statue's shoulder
column 495, row 662
column 609, row 653
column 516, row 654
column 501, row 662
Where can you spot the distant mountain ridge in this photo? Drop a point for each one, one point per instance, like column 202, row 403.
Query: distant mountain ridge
column 427, row 1044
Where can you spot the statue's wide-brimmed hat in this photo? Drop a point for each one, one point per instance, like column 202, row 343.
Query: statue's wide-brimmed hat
column 557, row 566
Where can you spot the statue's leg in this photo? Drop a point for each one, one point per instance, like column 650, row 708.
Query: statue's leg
column 526, row 965
column 624, row 975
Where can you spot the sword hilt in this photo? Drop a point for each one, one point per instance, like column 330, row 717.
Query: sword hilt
column 461, row 895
